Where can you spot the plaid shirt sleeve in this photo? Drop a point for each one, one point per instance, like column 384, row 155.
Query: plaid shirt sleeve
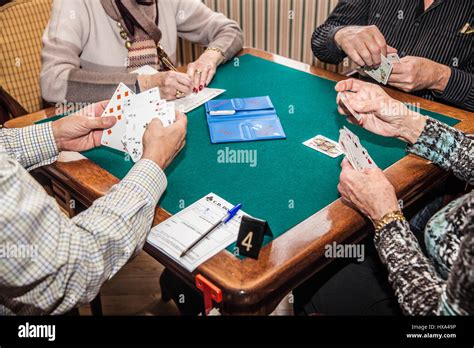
column 49, row 263
column 32, row 146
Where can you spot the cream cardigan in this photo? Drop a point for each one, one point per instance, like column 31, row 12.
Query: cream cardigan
column 84, row 57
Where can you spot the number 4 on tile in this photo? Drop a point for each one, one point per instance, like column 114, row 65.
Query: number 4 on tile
column 251, row 233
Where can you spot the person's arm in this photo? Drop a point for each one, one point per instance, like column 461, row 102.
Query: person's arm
column 32, row 146
column 346, row 13
column 69, row 260
column 446, row 147
column 199, row 24
column 459, row 89
column 62, row 78
column 447, row 84
column 419, row 289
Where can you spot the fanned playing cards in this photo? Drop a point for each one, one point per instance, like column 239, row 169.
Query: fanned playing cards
column 357, row 155
column 134, row 112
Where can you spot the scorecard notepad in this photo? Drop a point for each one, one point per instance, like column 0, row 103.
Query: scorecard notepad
column 177, row 233
column 243, row 119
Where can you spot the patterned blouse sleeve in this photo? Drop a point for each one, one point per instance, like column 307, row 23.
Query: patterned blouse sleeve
column 450, row 149
column 418, row 287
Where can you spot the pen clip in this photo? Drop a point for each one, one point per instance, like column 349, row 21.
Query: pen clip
column 231, row 213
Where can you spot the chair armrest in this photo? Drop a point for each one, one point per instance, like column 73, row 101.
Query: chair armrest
column 9, row 107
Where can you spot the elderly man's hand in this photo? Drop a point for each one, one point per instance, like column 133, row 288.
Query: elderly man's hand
column 363, row 44
column 416, row 73
column 161, row 145
column 368, row 191
column 83, row 130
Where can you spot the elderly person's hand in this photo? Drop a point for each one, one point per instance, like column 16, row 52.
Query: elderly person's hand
column 363, row 44
column 161, row 144
column 368, row 191
column 172, row 84
column 380, row 113
column 416, row 73
column 202, row 71
column 83, row 130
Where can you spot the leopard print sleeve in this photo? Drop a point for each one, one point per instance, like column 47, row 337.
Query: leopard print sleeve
column 448, row 148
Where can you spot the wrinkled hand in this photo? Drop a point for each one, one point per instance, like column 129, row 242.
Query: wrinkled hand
column 417, row 73
column 203, row 70
column 368, row 191
column 83, row 130
column 380, row 113
column 169, row 83
column 162, row 145
column 363, row 44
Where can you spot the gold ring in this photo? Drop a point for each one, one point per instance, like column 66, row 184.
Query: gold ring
column 179, row 94
column 199, row 72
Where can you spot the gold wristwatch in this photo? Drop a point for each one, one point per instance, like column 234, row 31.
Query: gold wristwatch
column 388, row 218
column 216, row 49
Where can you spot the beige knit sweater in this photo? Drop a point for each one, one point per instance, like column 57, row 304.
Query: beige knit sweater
column 84, row 57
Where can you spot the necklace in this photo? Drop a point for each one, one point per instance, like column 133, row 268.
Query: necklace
column 124, row 35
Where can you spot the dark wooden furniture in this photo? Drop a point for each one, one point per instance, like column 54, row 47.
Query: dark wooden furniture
column 256, row 286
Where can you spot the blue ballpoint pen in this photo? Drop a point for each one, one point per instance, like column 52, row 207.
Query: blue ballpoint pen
column 229, row 216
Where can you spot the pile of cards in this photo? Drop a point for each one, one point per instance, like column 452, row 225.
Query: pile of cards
column 134, row 112
column 383, row 72
column 357, row 155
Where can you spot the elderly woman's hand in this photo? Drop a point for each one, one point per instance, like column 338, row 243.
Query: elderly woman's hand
column 202, row 71
column 172, row 84
column 368, row 191
column 380, row 113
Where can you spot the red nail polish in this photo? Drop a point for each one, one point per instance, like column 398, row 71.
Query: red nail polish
column 201, row 87
column 194, row 90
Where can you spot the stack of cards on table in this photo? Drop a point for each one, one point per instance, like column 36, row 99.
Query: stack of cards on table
column 357, row 155
column 383, row 72
column 134, row 112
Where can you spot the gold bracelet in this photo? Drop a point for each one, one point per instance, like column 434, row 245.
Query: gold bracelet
column 388, row 218
column 216, row 49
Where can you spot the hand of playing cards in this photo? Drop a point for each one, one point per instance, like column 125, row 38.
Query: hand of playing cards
column 357, row 155
column 134, row 112
column 383, row 72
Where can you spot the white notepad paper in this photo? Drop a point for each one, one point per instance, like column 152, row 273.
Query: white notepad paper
column 177, row 233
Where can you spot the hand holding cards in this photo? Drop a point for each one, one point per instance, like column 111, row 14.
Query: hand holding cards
column 134, row 113
column 383, row 72
column 345, row 101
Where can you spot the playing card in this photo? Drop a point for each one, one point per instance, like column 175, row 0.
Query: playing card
column 113, row 137
column 194, row 101
column 324, row 145
column 145, row 98
column 139, row 119
column 145, row 70
column 393, row 58
column 383, row 72
column 357, row 155
column 345, row 101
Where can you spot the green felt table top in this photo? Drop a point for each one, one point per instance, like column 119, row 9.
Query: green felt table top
column 288, row 182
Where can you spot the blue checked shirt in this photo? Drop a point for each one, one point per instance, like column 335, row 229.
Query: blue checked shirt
column 49, row 263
